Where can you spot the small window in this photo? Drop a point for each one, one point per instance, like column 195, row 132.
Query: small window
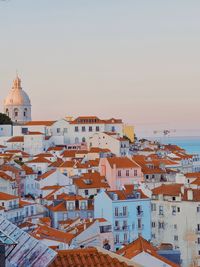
column 86, row 192
column 76, row 128
column 175, row 238
column 127, row 172
column 119, row 173
column 90, row 128
column 97, row 128
column 83, row 128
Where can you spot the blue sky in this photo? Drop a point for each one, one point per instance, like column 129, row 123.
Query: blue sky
column 138, row 60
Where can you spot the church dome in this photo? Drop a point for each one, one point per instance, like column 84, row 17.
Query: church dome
column 17, row 96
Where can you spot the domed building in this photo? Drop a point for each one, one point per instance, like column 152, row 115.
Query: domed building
column 17, row 104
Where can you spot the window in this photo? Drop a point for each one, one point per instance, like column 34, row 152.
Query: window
column 25, row 112
column 58, row 130
column 198, row 209
column 86, row 192
column 16, row 111
column 161, row 225
column 198, row 240
column 173, row 210
column 139, row 224
column 198, row 227
column 76, row 128
column 153, row 206
column 24, row 130
column 83, row 128
column 161, row 210
column 173, row 198
column 90, row 128
column 124, row 211
column 178, row 209
column 32, row 210
column 153, row 236
column 65, row 130
column 116, row 238
column 116, row 211
column 117, row 224
column 83, row 140
column 175, row 226
column 76, row 140
column 97, row 128
column 127, row 172
column 125, row 237
column 119, row 173
column 175, row 238
column 113, row 129
column 153, row 224
column 135, row 173
column 2, row 204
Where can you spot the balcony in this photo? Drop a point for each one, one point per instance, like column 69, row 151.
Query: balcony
column 121, row 229
column 140, row 213
column 121, row 215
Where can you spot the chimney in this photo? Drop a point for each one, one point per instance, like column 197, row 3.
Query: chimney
column 189, row 194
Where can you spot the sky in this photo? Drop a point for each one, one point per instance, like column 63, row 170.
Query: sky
column 135, row 60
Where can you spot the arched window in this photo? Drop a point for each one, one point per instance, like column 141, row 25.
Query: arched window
column 76, row 140
column 25, row 112
column 16, row 112
column 83, row 140
column 7, row 112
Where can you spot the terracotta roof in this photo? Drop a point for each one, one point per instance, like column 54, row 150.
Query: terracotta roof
column 127, row 193
column 5, row 196
column 56, row 163
column 44, row 155
column 67, row 164
column 34, row 133
column 122, row 162
column 68, row 154
column 39, row 160
column 55, row 148
column 168, row 190
column 46, row 174
column 45, row 123
column 28, row 170
column 51, row 187
column 5, row 176
column 192, row 175
column 46, row 232
column 141, row 245
column 91, row 180
column 87, row 257
column 94, row 120
column 16, row 139
column 98, row 150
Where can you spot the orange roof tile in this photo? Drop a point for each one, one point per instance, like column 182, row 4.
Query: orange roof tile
column 16, row 139
column 141, row 245
column 45, row 123
column 168, row 190
column 122, row 162
column 87, row 257
column 5, row 176
column 5, row 196
column 39, row 160
column 46, row 174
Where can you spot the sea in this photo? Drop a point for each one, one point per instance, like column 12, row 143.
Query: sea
column 190, row 143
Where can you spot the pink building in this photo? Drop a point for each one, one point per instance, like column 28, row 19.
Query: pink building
column 120, row 171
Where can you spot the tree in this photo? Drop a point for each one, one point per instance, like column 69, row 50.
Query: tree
column 4, row 119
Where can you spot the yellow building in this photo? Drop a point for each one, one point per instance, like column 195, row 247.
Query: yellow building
column 129, row 132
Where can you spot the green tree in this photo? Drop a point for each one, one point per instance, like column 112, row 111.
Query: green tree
column 4, row 119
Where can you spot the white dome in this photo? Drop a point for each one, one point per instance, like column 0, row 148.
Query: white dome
column 17, row 97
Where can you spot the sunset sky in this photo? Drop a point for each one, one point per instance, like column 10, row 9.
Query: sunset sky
column 137, row 60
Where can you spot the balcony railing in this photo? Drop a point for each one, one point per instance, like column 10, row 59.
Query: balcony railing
column 121, row 215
